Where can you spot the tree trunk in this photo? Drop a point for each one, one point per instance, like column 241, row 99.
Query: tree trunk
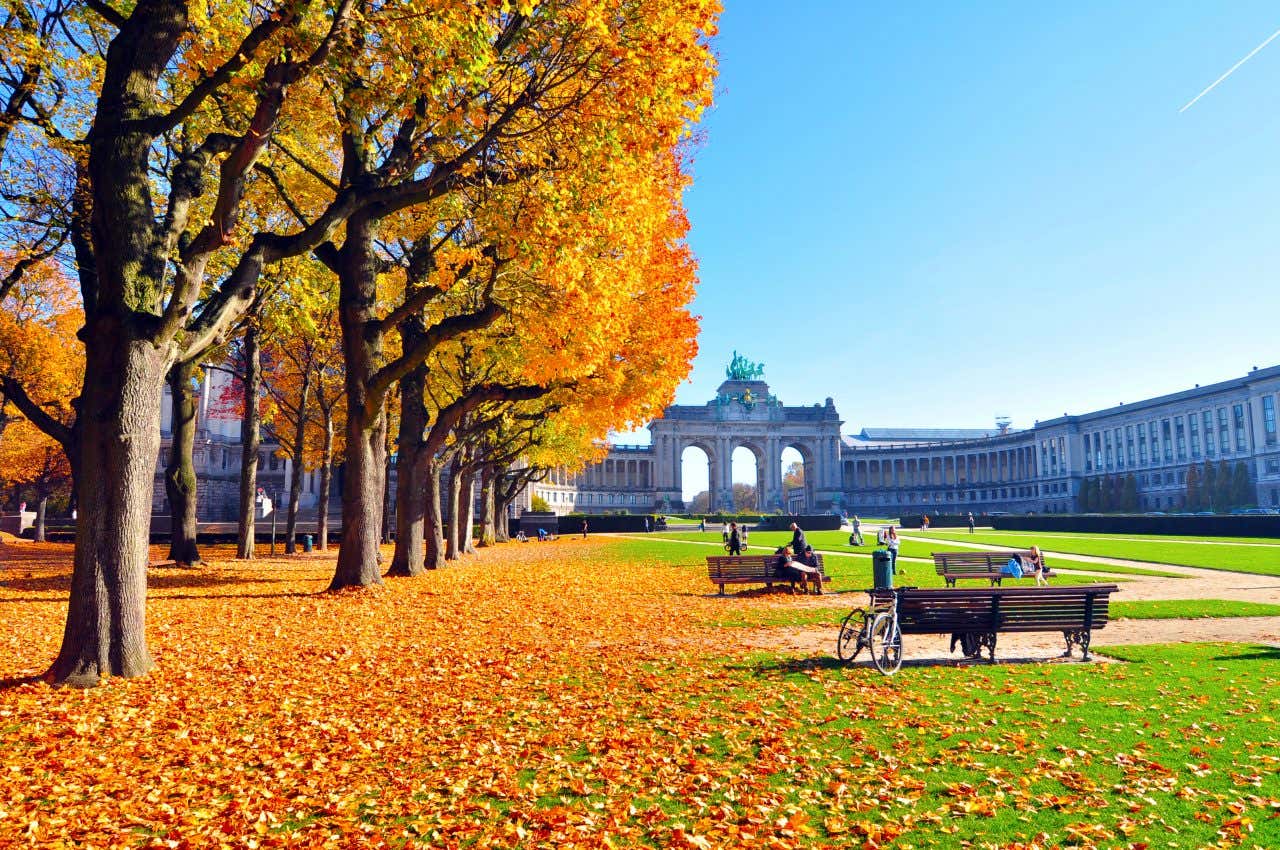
column 433, row 524
column 453, row 535
column 501, row 529
column 411, row 497
column 386, row 478
column 326, row 481
column 362, row 480
column 488, row 524
column 180, row 474
column 42, row 503
column 295, row 477
column 105, row 632
column 468, row 512
column 250, row 443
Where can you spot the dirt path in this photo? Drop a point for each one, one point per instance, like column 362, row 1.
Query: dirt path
column 1046, row 646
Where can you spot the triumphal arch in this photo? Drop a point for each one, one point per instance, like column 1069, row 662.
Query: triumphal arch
column 744, row 413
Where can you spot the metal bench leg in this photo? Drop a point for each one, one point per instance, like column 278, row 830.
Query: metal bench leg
column 722, row 590
column 1080, row 638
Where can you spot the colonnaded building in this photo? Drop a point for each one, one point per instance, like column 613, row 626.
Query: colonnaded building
column 890, row 471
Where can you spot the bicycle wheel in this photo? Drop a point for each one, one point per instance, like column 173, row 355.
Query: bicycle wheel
column 886, row 644
column 849, row 644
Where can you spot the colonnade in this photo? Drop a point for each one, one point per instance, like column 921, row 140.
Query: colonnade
column 997, row 466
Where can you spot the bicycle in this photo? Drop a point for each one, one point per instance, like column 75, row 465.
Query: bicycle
column 874, row 628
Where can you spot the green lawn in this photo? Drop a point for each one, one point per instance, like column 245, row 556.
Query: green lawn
column 1168, row 609
column 1177, row 749
column 838, row 541
column 1236, row 556
column 849, row 572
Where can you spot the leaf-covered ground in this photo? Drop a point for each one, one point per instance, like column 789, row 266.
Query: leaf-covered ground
column 580, row 694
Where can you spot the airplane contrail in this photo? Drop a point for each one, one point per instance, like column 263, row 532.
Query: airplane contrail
column 1230, row 71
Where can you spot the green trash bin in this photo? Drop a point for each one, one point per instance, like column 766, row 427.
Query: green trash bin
column 882, row 568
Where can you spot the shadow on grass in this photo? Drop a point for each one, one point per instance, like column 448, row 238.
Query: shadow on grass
column 1257, row 652
column 791, row 666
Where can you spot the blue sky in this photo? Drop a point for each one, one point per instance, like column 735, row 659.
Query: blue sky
column 940, row 212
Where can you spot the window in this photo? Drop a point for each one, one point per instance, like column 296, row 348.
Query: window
column 1119, row 449
column 1224, row 443
column 1142, row 445
column 1166, row 437
column 1088, row 455
column 1194, row 423
column 1237, row 412
column 1209, row 449
column 1044, row 457
column 1053, row 457
column 1273, row 466
column 1154, row 433
column 1181, row 431
column 1269, row 418
column 1128, row 444
column 1062, row 455
column 1097, row 450
column 1107, row 443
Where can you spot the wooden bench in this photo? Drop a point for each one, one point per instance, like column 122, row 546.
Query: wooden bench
column 980, row 565
column 974, row 616
column 758, row 569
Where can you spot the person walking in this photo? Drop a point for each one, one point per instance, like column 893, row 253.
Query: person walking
column 971, row 522
column 892, row 542
column 735, row 540
column 797, row 539
column 744, row 535
column 724, row 532
column 855, row 539
column 584, row 529
column 702, row 525
column 646, row 525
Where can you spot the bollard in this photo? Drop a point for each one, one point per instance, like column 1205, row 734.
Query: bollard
column 306, row 543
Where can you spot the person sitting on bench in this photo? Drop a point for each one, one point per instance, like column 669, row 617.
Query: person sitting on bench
column 1038, row 567
column 798, row 570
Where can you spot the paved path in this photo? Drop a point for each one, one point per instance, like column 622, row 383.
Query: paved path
column 1036, row 646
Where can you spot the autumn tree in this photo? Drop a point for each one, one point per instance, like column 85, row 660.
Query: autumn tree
column 793, row 475
column 1194, row 500
column 551, row 94
column 32, row 459
column 160, row 144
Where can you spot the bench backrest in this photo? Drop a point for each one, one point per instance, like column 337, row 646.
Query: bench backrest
column 1002, row 609
column 748, row 566
column 961, row 563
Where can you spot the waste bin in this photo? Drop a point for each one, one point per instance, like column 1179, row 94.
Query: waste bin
column 882, row 568
column 306, row 543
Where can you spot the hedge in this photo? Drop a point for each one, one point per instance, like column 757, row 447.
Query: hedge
column 1227, row 525
column 936, row 520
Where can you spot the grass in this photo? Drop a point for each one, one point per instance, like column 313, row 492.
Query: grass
column 838, row 542
column 1218, row 555
column 1177, row 609
column 1176, row 749
column 542, row 695
column 849, row 572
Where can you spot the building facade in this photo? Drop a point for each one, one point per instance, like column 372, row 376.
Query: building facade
column 893, row 471
column 875, row 471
